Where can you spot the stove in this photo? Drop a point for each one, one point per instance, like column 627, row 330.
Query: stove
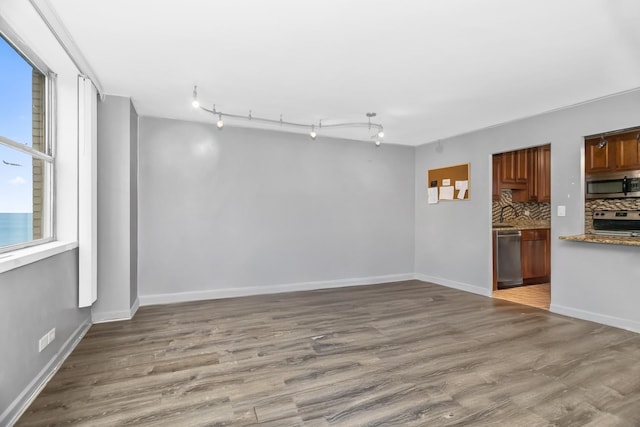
column 616, row 223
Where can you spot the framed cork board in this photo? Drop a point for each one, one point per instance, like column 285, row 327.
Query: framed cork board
column 451, row 182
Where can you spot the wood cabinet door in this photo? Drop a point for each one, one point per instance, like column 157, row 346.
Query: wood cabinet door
column 513, row 169
column 597, row 159
column 522, row 166
column 627, row 148
column 535, row 254
column 508, row 167
column 533, row 183
column 496, row 189
column 544, row 173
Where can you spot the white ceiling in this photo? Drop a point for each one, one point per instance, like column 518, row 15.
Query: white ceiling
column 429, row 69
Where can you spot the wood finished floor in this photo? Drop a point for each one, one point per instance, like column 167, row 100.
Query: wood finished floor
column 408, row 353
column 534, row 295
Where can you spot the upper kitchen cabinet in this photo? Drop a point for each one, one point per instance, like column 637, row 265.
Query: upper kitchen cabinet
column 598, row 157
column 496, row 189
column 627, row 147
column 513, row 169
column 544, row 173
column 620, row 152
column 538, row 187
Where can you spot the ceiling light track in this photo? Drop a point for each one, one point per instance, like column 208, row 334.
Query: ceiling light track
column 313, row 128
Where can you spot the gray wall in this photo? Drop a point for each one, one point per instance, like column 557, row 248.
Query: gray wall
column 34, row 299
column 244, row 211
column 453, row 240
column 116, row 266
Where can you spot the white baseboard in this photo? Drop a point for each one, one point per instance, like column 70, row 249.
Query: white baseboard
column 269, row 289
column 11, row 415
column 453, row 284
column 134, row 308
column 618, row 322
column 116, row 316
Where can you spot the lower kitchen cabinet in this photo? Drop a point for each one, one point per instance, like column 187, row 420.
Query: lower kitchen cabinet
column 535, row 254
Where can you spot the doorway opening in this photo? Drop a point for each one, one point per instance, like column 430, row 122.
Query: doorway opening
column 521, row 226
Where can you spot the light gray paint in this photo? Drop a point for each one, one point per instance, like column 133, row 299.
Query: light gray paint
column 114, row 209
column 133, row 203
column 453, row 240
column 34, row 299
column 252, row 208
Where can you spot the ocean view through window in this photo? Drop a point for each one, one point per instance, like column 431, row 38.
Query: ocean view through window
column 26, row 164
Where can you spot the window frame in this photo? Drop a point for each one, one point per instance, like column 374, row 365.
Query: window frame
column 48, row 155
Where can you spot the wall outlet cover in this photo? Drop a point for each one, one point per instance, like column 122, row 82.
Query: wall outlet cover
column 43, row 342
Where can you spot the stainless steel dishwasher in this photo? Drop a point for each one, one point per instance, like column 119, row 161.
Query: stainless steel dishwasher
column 507, row 256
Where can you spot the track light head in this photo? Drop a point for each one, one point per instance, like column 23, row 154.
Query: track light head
column 220, row 123
column 603, row 142
column 195, row 103
column 313, row 134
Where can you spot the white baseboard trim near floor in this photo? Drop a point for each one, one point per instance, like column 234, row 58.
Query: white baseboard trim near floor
column 115, row 316
column 134, row 308
column 11, row 415
column 618, row 322
column 268, row 289
column 453, row 284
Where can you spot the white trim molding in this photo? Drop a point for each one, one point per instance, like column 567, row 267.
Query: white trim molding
column 115, row 316
column 170, row 298
column 604, row 319
column 453, row 284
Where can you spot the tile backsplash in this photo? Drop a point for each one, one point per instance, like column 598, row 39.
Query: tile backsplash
column 537, row 210
column 591, row 205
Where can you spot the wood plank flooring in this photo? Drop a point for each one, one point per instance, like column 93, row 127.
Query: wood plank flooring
column 534, row 295
column 408, row 353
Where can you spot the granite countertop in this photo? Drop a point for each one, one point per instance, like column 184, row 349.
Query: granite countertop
column 612, row 240
column 532, row 224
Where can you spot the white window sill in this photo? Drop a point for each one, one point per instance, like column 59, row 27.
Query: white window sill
column 22, row 257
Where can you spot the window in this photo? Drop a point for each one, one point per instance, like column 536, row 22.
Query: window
column 26, row 161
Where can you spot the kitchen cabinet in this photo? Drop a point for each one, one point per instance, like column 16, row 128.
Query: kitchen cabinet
column 622, row 152
column 539, row 176
column 597, row 159
column 513, row 169
column 627, row 148
column 496, row 188
column 535, row 253
column 544, row 173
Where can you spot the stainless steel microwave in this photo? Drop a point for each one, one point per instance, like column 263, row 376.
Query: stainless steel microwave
column 616, row 185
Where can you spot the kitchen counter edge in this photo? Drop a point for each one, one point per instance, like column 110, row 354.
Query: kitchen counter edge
column 611, row 240
column 522, row 227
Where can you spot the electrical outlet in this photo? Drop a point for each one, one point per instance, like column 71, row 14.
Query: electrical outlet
column 43, row 342
column 46, row 339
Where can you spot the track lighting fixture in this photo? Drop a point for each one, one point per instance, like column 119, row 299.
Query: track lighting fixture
column 195, row 102
column 602, row 143
column 313, row 134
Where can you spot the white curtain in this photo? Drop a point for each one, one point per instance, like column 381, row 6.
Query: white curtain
column 87, row 192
